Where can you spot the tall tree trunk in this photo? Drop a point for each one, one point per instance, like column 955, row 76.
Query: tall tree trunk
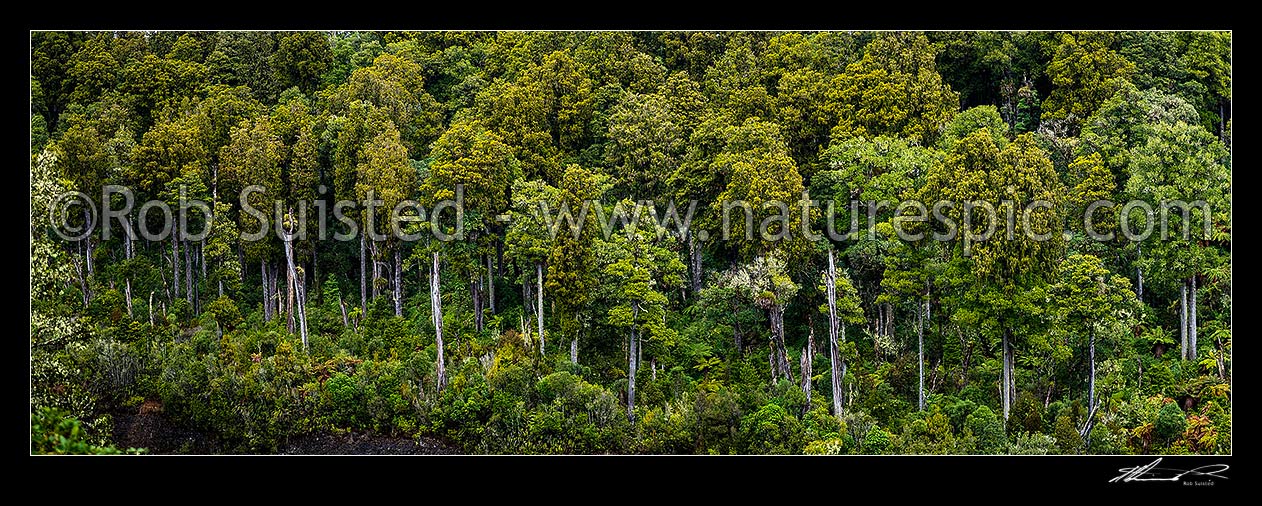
column 1091, row 380
column 1003, row 389
column 175, row 266
column 634, row 351
column 289, row 280
column 188, row 272
column 1222, row 123
column 127, row 252
column 574, row 350
column 398, row 280
column 527, row 307
column 128, row 294
column 639, row 350
column 841, row 384
column 833, row 346
column 151, row 308
column 490, row 285
column 302, row 309
column 780, row 352
column 346, row 323
column 376, row 269
column 363, row 275
column 1183, row 321
column 539, row 302
column 436, row 309
column 920, row 350
column 1192, row 324
column 808, row 353
column 1139, row 272
column 267, row 306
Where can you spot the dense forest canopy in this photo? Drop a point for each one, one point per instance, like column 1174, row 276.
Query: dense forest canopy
column 510, row 288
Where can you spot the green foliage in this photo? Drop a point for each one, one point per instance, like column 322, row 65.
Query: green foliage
column 987, row 430
column 771, row 430
column 595, row 125
column 896, row 68
column 1085, row 72
column 877, row 441
column 972, row 120
column 1170, row 423
column 55, row 432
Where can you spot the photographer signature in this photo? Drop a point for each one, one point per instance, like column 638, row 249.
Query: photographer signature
column 1151, row 472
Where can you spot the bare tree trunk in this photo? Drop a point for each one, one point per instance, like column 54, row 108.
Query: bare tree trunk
column 639, row 350
column 289, row 280
column 346, row 323
column 398, row 280
column 128, row 293
column 1139, row 272
column 808, row 353
column 302, row 309
column 539, row 302
column 1183, row 320
column 188, row 272
column 150, row 308
column 574, row 350
column 127, row 252
column 1192, row 324
column 780, row 352
column 834, row 359
column 1004, row 390
column 267, row 307
column 633, row 352
column 436, row 308
column 376, row 269
column 920, row 351
column 1091, row 380
column 527, row 307
column 175, row 266
column 1222, row 124
column 490, row 284
column 363, row 275
column 294, row 289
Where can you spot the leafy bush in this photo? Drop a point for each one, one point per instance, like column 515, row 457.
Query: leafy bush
column 1170, row 423
column 771, row 429
column 986, row 430
column 55, row 432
